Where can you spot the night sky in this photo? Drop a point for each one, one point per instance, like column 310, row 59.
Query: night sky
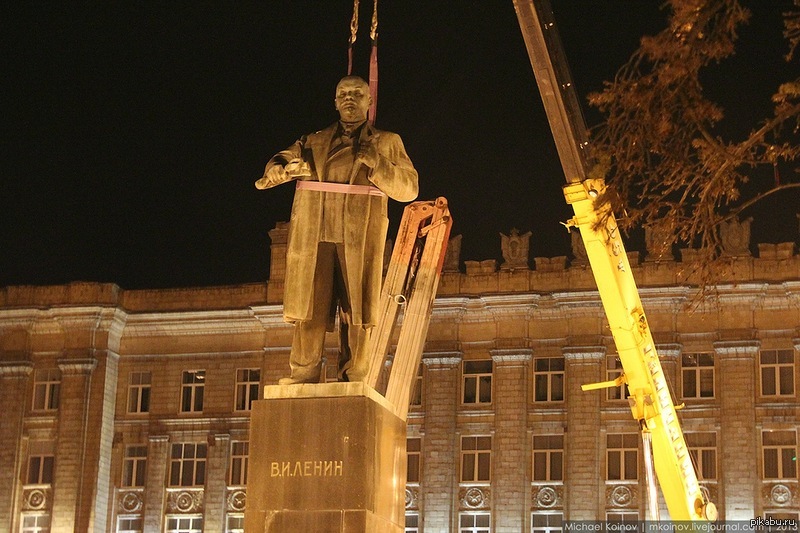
column 133, row 131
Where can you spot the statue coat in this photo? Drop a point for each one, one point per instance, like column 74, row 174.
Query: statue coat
column 365, row 223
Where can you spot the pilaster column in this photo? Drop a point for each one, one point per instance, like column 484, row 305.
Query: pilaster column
column 738, row 439
column 14, row 396
column 511, row 462
column 155, row 482
column 216, row 483
column 440, row 464
column 584, row 490
column 71, row 491
column 669, row 355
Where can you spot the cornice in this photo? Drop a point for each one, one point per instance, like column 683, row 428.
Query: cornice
column 270, row 316
column 737, row 349
column 669, row 351
column 449, row 308
column 584, row 353
column 511, row 356
column 76, row 366
column 221, row 322
column 443, row 359
column 15, row 369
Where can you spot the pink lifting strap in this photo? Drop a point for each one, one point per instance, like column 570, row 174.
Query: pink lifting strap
column 345, row 188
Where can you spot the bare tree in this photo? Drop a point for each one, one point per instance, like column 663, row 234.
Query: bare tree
column 660, row 146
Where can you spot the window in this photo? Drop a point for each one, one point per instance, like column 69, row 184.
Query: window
column 613, row 371
column 184, row 524
column 234, row 523
column 129, row 524
column 548, row 458
column 192, row 386
column 474, row 522
column 187, row 465
column 134, row 466
column 476, row 458
column 239, row 461
column 412, row 523
column 548, row 379
column 413, row 448
column 35, row 523
column 547, row 522
column 416, row 391
column 139, row 392
column 777, row 372
column 697, row 373
column 247, row 383
column 40, row 463
column 780, row 454
column 477, row 382
column 46, row 389
column 618, row 517
column 703, row 448
column 622, row 461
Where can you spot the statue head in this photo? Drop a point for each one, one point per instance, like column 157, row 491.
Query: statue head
column 352, row 99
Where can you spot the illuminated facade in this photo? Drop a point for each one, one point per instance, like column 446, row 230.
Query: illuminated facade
column 129, row 410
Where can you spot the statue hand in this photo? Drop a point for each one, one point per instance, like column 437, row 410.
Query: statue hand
column 368, row 152
column 274, row 175
column 297, row 168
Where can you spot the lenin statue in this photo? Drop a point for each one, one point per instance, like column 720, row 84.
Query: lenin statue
column 337, row 234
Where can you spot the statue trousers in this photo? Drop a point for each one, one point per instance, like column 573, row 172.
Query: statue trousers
column 330, row 288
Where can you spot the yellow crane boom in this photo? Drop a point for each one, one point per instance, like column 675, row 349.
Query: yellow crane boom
column 650, row 398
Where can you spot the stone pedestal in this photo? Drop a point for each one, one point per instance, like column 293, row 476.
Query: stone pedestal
column 328, row 458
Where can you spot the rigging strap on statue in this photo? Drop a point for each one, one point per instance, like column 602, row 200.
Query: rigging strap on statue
column 343, row 188
column 373, row 65
column 373, row 57
column 353, row 37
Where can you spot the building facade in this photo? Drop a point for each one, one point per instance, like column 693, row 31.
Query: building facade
column 128, row 411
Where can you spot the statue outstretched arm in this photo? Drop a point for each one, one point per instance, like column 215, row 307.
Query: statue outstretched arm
column 284, row 166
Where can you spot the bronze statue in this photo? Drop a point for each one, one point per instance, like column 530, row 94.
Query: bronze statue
column 337, row 231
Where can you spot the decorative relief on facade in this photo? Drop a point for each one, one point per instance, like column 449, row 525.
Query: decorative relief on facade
column 412, row 498
column 515, row 250
column 36, row 499
column 735, row 237
column 658, row 243
column 621, row 496
column 778, row 495
column 130, row 501
column 237, row 500
column 547, row 496
column 452, row 257
column 185, row 501
column 474, row 497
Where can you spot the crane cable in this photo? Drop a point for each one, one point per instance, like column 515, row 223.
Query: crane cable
column 373, row 57
column 353, row 37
